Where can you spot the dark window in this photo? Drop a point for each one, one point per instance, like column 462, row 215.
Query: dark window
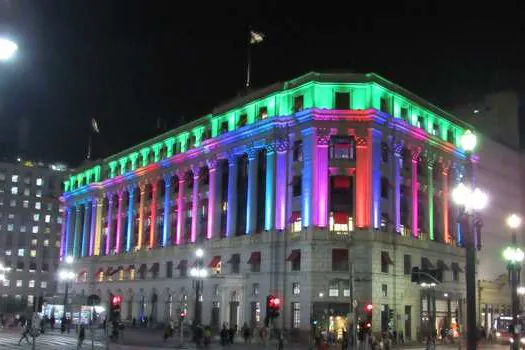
column 295, row 259
column 298, row 151
column 404, row 114
column 236, row 263
column 206, row 134
column 435, row 130
column 224, row 127
column 342, row 147
column 385, row 261
column 298, row 103
column 384, row 152
column 342, row 100
column 385, row 220
column 384, row 187
column 243, row 120
column 169, row 269
column 297, row 184
column 384, row 105
column 45, row 267
column 339, row 259
column 420, row 122
column 450, row 136
column 384, row 290
column 20, row 265
column 455, row 275
column 183, row 266
column 407, row 264
column 263, row 113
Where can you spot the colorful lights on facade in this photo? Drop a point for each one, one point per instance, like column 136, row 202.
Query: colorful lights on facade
column 378, row 108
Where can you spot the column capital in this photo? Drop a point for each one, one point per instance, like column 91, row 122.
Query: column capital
column 180, row 174
column 281, row 144
column 212, row 163
column 131, row 188
column 232, row 158
column 323, row 136
column 444, row 166
column 397, row 148
column 361, row 142
column 252, row 152
column 167, row 179
column 415, row 152
column 196, row 170
column 270, row 148
column 430, row 158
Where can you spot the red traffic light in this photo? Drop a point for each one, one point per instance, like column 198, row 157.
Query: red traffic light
column 116, row 300
column 182, row 314
column 369, row 307
column 275, row 302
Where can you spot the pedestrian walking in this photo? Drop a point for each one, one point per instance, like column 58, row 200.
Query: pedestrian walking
column 25, row 333
column 81, row 336
column 224, row 335
column 246, row 333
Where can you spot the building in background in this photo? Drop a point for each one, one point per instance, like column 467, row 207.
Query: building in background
column 30, row 224
column 283, row 189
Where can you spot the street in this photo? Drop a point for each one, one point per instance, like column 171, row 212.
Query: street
column 148, row 339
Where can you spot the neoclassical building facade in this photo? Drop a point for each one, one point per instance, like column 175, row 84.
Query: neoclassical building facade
column 318, row 189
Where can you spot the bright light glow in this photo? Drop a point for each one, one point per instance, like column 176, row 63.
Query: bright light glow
column 514, row 221
column 198, row 273
column 472, row 200
column 199, row 253
column 468, row 141
column 445, row 295
column 69, row 259
column 8, row 49
column 65, row 275
column 513, row 255
column 521, row 290
column 321, row 294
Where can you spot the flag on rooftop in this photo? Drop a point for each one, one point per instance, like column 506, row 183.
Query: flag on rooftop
column 256, row 37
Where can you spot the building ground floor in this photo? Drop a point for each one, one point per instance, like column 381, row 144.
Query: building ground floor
column 324, row 282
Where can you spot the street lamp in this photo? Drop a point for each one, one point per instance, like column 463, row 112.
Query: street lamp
column 8, row 48
column 513, row 255
column 66, row 275
column 199, row 273
column 470, row 199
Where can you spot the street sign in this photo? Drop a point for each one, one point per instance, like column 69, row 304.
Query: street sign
column 354, row 303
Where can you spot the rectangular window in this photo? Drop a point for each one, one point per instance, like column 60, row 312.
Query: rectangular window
column 420, row 122
column 31, row 284
column 19, row 283
column 450, row 136
column 169, row 269
column 39, row 193
column 295, row 259
column 255, row 262
column 43, row 284
column 404, row 113
column 296, row 186
column 14, row 179
column 346, row 288
column 333, row 288
column 384, row 290
column 383, row 105
column 296, row 315
column 39, row 181
column 21, row 252
column 25, row 203
column 14, row 190
column 407, row 264
column 12, row 203
column 10, row 227
column 298, row 151
column 27, row 191
column 32, row 253
column 23, row 228
column 385, row 261
column 298, row 103
column 38, row 205
column 255, row 289
column 339, row 259
column 296, row 288
column 35, row 229
column 6, row 283
column 236, row 263
column 342, row 147
column 34, row 242
column 263, row 113
column 48, row 219
column 36, row 217
column 342, row 100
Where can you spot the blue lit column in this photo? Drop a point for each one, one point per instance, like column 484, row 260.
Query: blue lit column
column 269, row 217
column 86, row 229
column 307, row 176
column 131, row 218
column 166, row 224
column 213, row 198
column 375, row 136
column 281, row 147
column 109, row 230
column 251, row 211
column 77, row 242
column 232, row 196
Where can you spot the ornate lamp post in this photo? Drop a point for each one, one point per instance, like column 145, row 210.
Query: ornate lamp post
column 513, row 255
column 199, row 273
column 470, row 200
column 66, row 275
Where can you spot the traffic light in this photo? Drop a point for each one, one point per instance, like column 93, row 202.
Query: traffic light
column 273, row 306
column 182, row 314
column 114, row 314
column 390, row 314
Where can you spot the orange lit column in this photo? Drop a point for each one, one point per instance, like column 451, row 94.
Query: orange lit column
column 414, row 187
column 98, row 225
column 153, row 214
column 363, row 183
column 444, row 188
column 142, row 188
column 195, row 217
column 180, row 207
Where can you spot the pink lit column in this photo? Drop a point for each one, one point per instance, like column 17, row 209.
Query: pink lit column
column 397, row 149
column 180, row 208
column 414, row 187
column 195, row 217
column 93, row 226
column 321, row 178
column 212, row 197
column 118, row 234
column 109, row 220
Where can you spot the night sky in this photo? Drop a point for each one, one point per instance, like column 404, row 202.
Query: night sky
column 128, row 63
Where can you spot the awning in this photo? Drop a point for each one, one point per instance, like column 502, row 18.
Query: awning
column 109, row 271
column 154, row 267
column 426, row 264
column 340, row 218
column 294, row 255
column 82, row 273
column 235, row 259
column 99, row 271
column 386, row 259
column 182, row 264
column 130, row 267
column 255, row 258
column 455, row 267
column 215, row 261
column 341, row 182
column 120, row 268
column 295, row 216
column 442, row 266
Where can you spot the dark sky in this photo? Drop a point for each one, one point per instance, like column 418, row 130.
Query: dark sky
column 130, row 62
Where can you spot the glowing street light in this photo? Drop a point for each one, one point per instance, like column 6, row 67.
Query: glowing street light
column 513, row 221
column 468, row 141
column 198, row 272
column 8, row 49
column 66, row 275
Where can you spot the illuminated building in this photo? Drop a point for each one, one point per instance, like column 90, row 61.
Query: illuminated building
column 303, row 176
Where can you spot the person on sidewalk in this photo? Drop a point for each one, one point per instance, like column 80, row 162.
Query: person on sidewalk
column 25, row 333
column 81, row 336
column 246, row 333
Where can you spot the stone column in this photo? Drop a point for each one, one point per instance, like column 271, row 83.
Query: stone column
column 445, row 191
column 281, row 147
column 86, row 229
column 140, row 239
column 251, row 211
column 212, row 198
column 180, row 208
column 109, row 219
column 98, row 225
column 269, row 216
column 166, row 228
column 231, row 220
column 307, row 178
column 414, row 188
column 195, row 220
column 131, row 218
column 398, row 160
column 93, row 226
column 153, row 214
column 78, row 235
column 430, row 194
column 118, row 234
column 321, row 177
column 363, row 183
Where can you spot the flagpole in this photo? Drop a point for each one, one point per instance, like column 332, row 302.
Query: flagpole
column 249, row 63
column 88, row 157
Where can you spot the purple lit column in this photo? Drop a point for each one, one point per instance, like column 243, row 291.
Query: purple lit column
column 119, row 233
column 321, row 177
column 281, row 147
column 166, row 224
column 212, row 197
column 180, row 208
column 232, row 196
column 414, row 182
column 109, row 220
column 251, row 210
column 376, row 137
column 397, row 161
column 93, row 226
column 63, row 247
column 195, row 217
